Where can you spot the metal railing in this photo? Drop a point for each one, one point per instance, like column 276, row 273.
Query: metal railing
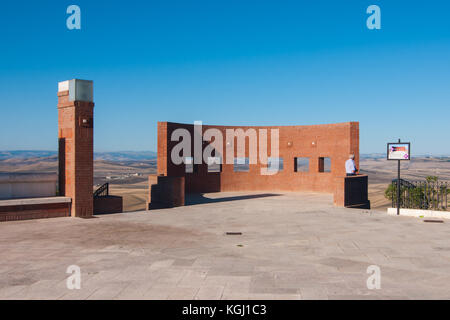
column 427, row 195
column 102, row 191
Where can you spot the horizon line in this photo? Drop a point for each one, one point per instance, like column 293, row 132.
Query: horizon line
column 143, row 151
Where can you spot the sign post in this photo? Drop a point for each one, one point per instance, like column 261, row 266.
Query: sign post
column 399, row 151
column 398, row 187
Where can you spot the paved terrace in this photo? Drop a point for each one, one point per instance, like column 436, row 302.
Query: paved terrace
column 293, row 246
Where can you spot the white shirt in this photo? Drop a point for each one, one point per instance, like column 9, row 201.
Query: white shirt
column 350, row 166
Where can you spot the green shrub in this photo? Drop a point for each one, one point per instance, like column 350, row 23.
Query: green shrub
column 422, row 196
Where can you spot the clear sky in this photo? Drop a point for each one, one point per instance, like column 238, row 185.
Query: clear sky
column 228, row 62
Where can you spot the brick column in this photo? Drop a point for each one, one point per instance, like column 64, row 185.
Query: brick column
column 76, row 147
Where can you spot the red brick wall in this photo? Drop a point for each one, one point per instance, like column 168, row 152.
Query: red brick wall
column 165, row 192
column 35, row 211
column 76, row 153
column 335, row 141
column 162, row 148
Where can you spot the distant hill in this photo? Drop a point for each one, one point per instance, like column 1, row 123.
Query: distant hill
column 372, row 155
column 125, row 155
column 26, row 154
column 148, row 155
column 108, row 156
column 414, row 156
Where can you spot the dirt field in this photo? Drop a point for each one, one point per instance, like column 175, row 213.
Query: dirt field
column 128, row 178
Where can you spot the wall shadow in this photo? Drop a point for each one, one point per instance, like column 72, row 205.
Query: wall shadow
column 61, row 166
column 199, row 198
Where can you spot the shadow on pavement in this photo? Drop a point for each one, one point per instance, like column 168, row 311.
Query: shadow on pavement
column 199, row 198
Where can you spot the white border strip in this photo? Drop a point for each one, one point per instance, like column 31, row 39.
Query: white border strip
column 418, row 213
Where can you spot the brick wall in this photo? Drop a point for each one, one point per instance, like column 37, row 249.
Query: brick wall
column 335, row 141
column 165, row 192
column 76, row 166
column 34, row 211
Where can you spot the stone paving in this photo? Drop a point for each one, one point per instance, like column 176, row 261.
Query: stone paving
column 293, row 246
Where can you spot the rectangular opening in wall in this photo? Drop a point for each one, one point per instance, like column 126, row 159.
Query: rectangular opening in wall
column 189, row 164
column 274, row 164
column 301, row 164
column 214, row 164
column 324, row 164
column 241, row 165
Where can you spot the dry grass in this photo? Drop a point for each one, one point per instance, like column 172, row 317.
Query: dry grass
column 134, row 195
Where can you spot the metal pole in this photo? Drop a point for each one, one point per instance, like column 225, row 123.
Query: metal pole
column 446, row 199
column 398, row 186
column 398, row 189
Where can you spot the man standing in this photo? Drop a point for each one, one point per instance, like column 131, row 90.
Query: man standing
column 350, row 167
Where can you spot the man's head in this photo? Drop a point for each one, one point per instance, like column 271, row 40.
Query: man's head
column 352, row 156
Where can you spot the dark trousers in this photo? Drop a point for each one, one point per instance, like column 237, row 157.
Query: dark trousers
column 351, row 174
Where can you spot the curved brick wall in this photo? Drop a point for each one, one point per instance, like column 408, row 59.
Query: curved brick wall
column 335, row 141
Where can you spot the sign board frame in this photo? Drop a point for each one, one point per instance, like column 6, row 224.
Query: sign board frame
column 390, row 144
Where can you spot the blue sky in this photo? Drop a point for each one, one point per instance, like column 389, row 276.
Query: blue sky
column 228, row 62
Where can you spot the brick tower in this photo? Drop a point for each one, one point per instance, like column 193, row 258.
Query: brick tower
column 76, row 144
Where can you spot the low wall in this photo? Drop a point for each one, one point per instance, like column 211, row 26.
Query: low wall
column 108, row 204
column 419, row 213
column 25, row 209
column 27, row 185
column 352, row 192
column 165, row 192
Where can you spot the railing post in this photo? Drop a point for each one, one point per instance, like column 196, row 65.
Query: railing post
column 393, row 194
column 424, row 195
column 446, row 196
column 439, row 196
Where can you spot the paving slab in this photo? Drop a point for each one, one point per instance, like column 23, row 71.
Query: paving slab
column 292, row 246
